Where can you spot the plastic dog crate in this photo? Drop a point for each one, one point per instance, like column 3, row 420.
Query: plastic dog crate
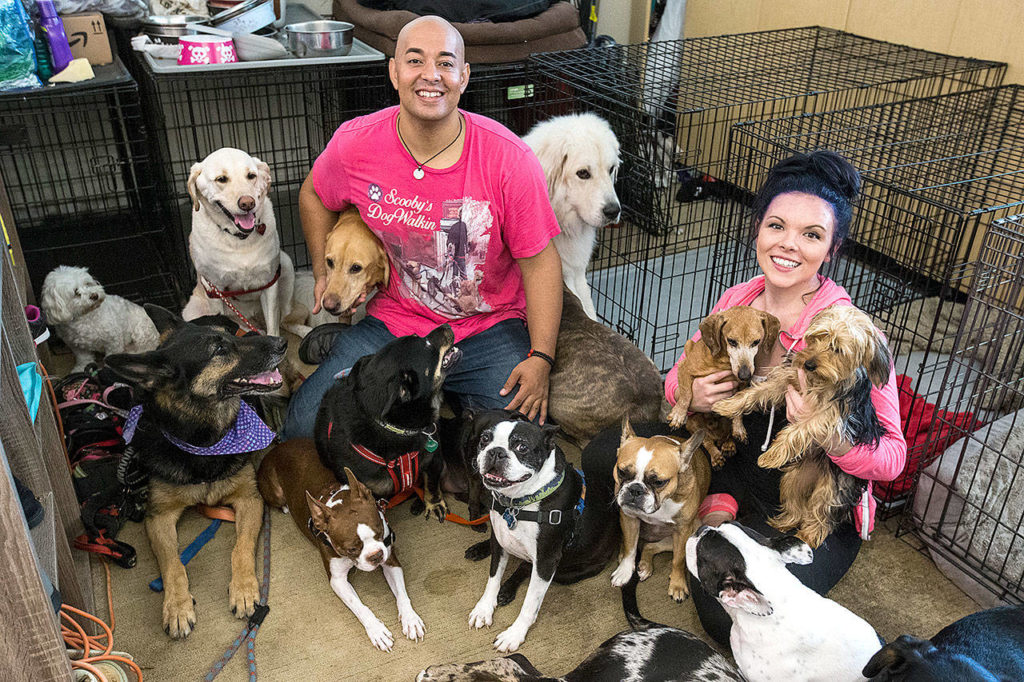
column 76, row 165
column 672, row 105
column 937, row 171
column 283, row 115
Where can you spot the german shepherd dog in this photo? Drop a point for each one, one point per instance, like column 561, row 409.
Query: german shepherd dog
column 380, row 420
column 191, row 390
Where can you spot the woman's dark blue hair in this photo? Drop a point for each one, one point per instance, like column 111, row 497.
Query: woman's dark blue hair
column 824, row 174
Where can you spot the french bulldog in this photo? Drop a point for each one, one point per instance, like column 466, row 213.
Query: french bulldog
column 536, row 499
column 660, row 483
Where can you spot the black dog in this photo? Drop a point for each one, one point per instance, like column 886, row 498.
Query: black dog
column 538, row 513
column 985, row 646
column 647, row 651
column 380, row 420
column 195, row 437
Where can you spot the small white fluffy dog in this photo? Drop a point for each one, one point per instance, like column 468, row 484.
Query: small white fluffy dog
column 580, row 157
column 90, row 321
column 235, row 246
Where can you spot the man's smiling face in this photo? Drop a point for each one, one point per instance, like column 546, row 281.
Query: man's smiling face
column 429, row 70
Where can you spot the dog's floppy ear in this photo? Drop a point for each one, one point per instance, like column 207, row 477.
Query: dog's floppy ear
column 144, row 370
column 627, row 430
column 193, row 190
column 54, row 300
column 385, row 264
column 164, row 320
column 399, row 388
column 771, row 326
column 792, row 549
column 688, row 447
column 263, row 176
column 524, row 663
column 711, row 332
column 745, row 597
column 880, row 362
column 896, row 657
column 317, row 511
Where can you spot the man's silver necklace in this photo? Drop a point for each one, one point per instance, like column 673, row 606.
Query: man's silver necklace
column 418, row 173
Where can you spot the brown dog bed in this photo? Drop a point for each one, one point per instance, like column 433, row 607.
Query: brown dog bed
column 556, row 28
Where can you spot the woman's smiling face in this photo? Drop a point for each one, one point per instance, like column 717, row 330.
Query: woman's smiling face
column 794, row 238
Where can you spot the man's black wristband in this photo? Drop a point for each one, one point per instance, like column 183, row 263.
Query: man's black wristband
column 543, row 356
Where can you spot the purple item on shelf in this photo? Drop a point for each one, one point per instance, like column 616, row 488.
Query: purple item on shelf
column 60, row 50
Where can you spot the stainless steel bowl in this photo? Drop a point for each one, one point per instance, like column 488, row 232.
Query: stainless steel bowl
column 166, row 29
column 322, row 38
column 245, row 17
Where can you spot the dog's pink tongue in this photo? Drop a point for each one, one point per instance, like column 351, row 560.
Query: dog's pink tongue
column 246, row 221
column 267, row 378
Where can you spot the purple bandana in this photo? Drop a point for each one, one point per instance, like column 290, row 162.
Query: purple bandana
column 249, row 434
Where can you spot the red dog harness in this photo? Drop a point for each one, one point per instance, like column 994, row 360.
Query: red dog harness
column 407, row 465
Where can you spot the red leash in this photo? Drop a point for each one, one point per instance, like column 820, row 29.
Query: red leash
column 213, row 292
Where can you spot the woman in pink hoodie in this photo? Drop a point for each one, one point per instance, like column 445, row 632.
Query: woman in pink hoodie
column 802, row 215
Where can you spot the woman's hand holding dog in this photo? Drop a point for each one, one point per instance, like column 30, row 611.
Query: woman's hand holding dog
column 532, row 397
column 710, row 389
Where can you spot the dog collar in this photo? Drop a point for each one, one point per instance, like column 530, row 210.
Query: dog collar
column 248, row 434
column 213, row 292
column 511, row 509
column 429, row 446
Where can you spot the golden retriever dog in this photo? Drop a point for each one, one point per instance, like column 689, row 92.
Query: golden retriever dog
column 737, row 339
column 235, row 248
column 580, row 157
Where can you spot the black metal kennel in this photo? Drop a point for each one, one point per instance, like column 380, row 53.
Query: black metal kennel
column 78, row 173
column 937, row 171
column 672, row 105
column 968, row 507
column 283, row 115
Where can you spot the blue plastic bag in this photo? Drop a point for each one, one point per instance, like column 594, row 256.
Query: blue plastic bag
column 17, row 56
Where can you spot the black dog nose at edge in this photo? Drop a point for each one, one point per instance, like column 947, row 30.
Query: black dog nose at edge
column 611, row 211
column 246, row 203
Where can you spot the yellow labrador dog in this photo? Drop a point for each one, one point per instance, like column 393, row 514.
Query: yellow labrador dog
column 580, row 157
column 235, row 248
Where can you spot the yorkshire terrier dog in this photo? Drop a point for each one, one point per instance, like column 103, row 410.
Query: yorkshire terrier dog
column 737, row 339
column 843, row 357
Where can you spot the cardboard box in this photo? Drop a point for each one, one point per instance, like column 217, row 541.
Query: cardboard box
column 87, row 35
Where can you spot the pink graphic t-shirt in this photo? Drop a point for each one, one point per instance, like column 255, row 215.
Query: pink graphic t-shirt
column 453, row 236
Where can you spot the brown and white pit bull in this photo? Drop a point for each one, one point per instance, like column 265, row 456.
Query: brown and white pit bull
column 660, row 483
column 345, row 524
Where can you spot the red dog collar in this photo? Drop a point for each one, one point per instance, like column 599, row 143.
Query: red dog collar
column 213, row 292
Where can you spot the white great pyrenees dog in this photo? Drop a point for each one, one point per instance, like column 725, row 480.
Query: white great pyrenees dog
column 580, row 157
column 235, row 246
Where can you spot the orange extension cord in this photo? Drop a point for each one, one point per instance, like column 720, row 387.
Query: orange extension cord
column 75, row 637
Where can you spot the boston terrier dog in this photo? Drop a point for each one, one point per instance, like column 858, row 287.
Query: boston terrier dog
column 536, row 499
column 782, row 630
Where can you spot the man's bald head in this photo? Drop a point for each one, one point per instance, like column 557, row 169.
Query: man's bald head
column 430, row 25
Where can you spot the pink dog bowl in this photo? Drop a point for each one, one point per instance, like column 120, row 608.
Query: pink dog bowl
column 203, row 49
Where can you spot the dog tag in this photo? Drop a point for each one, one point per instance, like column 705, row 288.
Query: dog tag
column 431, row 444
column 510, row 518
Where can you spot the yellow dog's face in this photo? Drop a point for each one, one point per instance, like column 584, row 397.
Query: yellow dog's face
column 840, row 341
column 356, row 264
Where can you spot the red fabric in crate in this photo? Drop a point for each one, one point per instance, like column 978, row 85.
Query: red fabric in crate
column 916, row 416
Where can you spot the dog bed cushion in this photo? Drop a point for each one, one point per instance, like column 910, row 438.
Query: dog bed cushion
column 973, row 498
column 556, row 28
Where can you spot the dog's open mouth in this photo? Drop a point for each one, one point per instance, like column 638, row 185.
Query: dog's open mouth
column 493, row 480
column 258, row 383
column 451, row 358
column 245, row 222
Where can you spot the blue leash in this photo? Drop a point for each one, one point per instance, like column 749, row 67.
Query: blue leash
column 157, row 585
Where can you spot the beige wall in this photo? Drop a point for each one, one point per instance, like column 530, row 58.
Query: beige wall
column 984, row 29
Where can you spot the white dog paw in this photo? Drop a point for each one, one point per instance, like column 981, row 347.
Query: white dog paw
column 622, row 573
column 481, row 615
column 510, row 640
column 379, row 635
column 412, row 625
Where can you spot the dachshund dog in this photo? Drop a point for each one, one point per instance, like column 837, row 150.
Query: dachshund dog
column 737, row 339
column 843, row 357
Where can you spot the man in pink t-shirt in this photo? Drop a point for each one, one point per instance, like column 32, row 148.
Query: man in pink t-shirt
column 461, row 206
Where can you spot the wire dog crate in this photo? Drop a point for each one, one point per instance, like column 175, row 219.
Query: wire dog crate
column 283, row 115
column 969, row 504
column 672, row 104
column 76, row 166
column 936, row 172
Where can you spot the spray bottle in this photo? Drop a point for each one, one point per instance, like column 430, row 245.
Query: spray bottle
column 53, row 27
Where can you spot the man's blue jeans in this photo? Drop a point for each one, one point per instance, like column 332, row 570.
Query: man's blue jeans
column 488, row 359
